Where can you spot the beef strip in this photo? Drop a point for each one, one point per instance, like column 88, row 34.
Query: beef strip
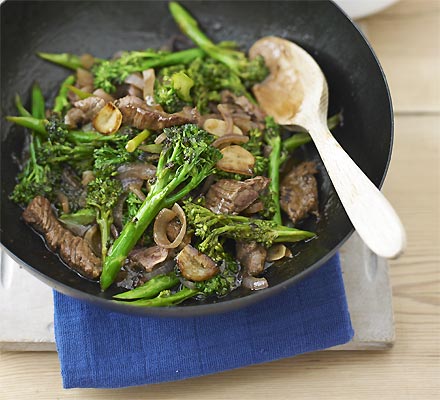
column 252, row 257
column 137, row 113
column 229, row 196
column 299, row 192
column 148, row 258
column 73, row 250
column 84, row 111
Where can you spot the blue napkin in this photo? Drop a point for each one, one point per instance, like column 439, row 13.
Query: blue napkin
column 102, row 349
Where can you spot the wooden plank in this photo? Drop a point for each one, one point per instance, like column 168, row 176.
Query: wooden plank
column 406, row 39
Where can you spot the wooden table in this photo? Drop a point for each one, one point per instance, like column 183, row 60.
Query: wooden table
column 406, row 38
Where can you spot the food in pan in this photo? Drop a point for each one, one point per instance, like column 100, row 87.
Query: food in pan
column 157, row 173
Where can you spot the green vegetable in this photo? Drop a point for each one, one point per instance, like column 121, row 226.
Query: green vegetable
column 151, row 288
column 85, row 216
column 21, row 110
column 224, row 282
column 36, row 178
column 35, row 124
column 186, row 159
column 250, row 71
column 165, row 298
column 273, row 139
column 301, row 138
column 80, row 93
column 38, row 108
column 182, row 83
column 61, row 102
column 103, row 194
column 64, row 59
column 210, row 226
column 133, row 144
column 107, row 73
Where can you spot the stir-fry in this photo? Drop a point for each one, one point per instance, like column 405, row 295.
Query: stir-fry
column 156, row 172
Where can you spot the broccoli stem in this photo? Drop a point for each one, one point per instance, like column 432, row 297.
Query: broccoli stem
column 166, row 300
column 85, row 216
column 274, row 175
column 61, row 101
column 151, row 288
column 134, row 229
column 38, row 107
column 133, row 144
column 296, row 141
column 301, row 138
column 20, row 108
column 66, row 60
column 80, row 93
column 35, row 124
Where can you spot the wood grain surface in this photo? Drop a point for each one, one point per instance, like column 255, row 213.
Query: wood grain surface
column 406, row 38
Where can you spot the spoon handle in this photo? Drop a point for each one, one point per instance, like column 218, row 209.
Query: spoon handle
column 371, row 214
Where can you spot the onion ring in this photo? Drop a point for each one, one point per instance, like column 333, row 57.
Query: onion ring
column 164, row 217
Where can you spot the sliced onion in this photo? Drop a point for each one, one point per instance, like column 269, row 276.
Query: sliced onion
column 93, row 238
column 218, row 127
column 136, row 80
column 87, row 177
column 226, row 114
column 253, row 283
column 84, row 78
column 114, row 231
column 196, row 266
column 118, row 210
column 276, row 252
column 148, row 87
column 165, row 268
column 164, row 217
column 87, row 60
column 226, row 140
column 64, row 201
column 160, row 138
column 136, row 190
column 134, row 91
column 236, row 159
column 189, row 284
column 108, row 120
column 103, row 95
column 135, row 173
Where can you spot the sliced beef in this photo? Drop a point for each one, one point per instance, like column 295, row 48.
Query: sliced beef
column 73, row 250
column 299, row 192
column 229, row 196
column 252, row 257
column 137, row 113
column 84, row 111
column 148, row 258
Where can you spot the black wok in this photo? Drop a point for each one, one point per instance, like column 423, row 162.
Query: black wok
column 356, row 82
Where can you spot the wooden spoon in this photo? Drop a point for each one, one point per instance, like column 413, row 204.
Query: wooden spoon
column 296, row 93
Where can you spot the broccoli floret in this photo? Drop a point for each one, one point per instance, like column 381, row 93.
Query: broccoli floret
column 165, row 93
column 224, row 282
column 209, row 226
column 103, row 194
column 187, row 158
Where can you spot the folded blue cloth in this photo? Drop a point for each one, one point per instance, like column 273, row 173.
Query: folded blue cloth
column 102, row 349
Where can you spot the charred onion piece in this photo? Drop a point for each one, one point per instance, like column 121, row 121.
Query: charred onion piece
column 196, row 266
column 276, row 252
column 226, row 140
column 237, row 160
column 149, row 78
column 219, row 127
column 253, row 283
column 164, row 217
column 108, row 120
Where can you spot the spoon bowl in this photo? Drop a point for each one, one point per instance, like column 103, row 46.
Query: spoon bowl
column 296, row 94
